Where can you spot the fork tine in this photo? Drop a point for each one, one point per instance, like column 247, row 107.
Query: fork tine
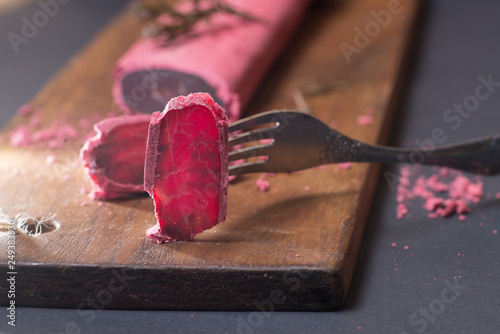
column 249, row 152
column 262, row 118
column 247, row 167
column 254, row 135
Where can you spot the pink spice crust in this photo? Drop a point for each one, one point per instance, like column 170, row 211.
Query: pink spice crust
column 105, row 188
column 230, row 54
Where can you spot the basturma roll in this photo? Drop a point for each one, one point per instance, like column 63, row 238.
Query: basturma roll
column 226, row 56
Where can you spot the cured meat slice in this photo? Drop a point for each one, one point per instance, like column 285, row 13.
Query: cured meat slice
column 186, row 167
column 114, row 157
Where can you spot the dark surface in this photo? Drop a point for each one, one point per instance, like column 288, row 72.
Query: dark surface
column 460, row 42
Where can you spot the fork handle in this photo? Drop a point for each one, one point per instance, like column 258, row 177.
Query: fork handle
column 481, row 155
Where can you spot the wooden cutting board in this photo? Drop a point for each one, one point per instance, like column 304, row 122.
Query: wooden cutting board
column 291, row 248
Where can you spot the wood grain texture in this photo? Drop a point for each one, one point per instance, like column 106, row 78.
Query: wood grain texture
column 286, row 249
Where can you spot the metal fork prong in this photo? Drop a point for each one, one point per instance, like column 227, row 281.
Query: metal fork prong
column 247, row 167
column 262, row 118
column 249, row 136
column 249, row 152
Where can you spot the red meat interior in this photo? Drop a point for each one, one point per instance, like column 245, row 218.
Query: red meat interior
column 188, row 172
column 123, row 154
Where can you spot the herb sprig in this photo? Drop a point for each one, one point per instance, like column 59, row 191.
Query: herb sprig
column 174, row 23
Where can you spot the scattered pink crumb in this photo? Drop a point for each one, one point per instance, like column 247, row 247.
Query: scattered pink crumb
column 435, row 278
column 66, row 177
column 448, row 209
column 262, row 184
column 430, row 284
column 110, row 212
column 497, row 195
column 27, row 109
column 495, row 231
column 83, row 204
column 365, row 120
column 50, row 159
column 462, row 217
column 359, row 327
column 433, row 203
column 444, row 171
column 99, row 203
column 458, row 254
column 83, row 191
column 481, row 224
column 396, row 269
column 297, row 255
column 402, row 210
column 388, row 278
column 393, row 244
column 192, row 315
column 344, row 165
column 20, row 137
column 406, row 247
column 307, row 188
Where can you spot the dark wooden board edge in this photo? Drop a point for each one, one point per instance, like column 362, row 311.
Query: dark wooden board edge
column 288, row 289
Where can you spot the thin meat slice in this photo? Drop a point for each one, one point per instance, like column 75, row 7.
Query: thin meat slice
column 114, row 157
column 186, row 167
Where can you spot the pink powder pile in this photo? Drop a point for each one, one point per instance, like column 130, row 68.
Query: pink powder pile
column 52, row 136
column 444, row 193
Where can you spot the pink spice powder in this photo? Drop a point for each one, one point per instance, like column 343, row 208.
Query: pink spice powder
column 344, row 165
column 53, row 135
column 365, row 120
column 445, row 193
column 262, row 184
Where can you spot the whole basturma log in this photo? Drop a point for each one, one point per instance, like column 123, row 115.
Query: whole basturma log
column 226, row 56
column 186, row 170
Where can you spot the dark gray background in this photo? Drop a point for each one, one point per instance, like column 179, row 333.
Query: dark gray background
column 460, row 41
